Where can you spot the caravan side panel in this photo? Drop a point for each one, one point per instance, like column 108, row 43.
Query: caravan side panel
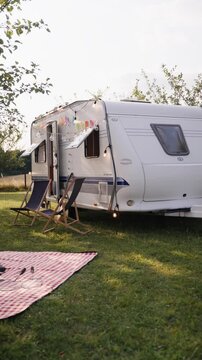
column 157, row 180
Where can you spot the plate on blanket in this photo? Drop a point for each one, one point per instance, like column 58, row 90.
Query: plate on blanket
column 9, row 285
column 31, row 283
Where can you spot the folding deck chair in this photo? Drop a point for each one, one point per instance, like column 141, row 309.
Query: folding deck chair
column 61, row 213
column 31, row 205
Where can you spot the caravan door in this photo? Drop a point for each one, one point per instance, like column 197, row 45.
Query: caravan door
column 53, row 158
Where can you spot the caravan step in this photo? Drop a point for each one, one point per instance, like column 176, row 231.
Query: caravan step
column 195, row 212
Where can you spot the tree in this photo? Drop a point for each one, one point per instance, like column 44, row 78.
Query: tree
column 16, row 79
column 12, row 164
column 175, row 91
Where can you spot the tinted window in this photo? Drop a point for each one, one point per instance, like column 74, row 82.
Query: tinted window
column 92, row 144
column 171, row 139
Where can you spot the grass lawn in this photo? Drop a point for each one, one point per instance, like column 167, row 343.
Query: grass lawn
column 139, row 299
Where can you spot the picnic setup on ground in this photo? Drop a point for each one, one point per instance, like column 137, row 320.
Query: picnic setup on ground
column 26, row 277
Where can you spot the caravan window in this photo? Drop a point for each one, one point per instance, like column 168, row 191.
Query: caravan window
column 171, row 138
column 40, row 153
column 92, row 144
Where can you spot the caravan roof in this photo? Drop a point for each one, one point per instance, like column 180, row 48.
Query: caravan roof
column 157, row 110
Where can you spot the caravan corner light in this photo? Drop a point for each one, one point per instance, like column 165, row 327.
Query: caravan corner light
column 105, row 151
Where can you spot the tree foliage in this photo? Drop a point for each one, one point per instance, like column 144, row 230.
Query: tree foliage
column 12, row 164
column 15, row 79
column 175, row 91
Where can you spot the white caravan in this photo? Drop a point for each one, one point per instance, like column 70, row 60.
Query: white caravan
column 135, row 156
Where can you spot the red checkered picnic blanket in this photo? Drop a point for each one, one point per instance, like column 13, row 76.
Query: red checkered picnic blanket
column 31, row 275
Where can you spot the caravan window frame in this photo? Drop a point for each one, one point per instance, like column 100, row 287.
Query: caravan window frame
column 176, row 136
column 40, row 153
column 92, row 144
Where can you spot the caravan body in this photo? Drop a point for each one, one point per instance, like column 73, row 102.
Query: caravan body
column 134, row 156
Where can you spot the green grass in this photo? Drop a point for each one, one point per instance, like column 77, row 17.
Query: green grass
column 139, row 299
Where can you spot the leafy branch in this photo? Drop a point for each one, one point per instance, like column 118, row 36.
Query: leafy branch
column 16, row 79
column 175, row 91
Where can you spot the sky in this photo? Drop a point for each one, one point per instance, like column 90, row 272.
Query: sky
column 104, row 44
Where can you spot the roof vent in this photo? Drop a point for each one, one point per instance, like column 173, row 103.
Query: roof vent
column 136, row 101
